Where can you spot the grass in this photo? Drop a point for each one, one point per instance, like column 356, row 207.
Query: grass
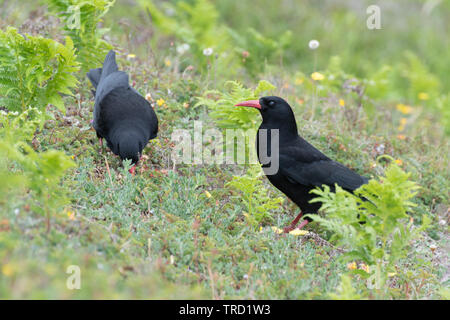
column 179, row 232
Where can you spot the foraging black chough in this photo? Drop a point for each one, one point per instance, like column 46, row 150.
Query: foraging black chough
column 121, row 115
column 301, row 167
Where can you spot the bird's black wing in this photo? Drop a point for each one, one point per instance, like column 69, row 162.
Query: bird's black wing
column 312, row 168
column 94, row 76
column 118, row 79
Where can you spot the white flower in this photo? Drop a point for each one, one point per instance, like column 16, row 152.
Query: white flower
column 442, row 222
column 170, row 12
column 183, row 48
column 313, row 44
column 208, row 51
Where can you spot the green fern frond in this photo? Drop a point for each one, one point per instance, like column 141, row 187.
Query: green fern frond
column 34, row 71
column 81, row 20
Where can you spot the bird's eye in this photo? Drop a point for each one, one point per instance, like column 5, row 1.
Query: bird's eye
column 271, row 103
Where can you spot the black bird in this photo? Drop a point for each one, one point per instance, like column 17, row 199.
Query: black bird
column 121, row 115
column 301, row 167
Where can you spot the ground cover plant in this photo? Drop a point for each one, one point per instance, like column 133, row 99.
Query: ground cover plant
column 374, row 100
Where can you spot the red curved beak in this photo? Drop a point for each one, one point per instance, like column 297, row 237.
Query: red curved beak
column 250, row 103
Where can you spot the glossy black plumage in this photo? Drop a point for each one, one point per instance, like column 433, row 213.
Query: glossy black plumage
column 301, row 166
column 122, row 116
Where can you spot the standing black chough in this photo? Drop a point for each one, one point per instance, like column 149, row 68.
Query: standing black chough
column 301, row 167
column 124, row 118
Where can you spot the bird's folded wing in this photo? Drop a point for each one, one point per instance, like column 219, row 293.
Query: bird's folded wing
column 318, row 173
column 115, row 80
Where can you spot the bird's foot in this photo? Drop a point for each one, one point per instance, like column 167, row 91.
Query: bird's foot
column 101, row 145
column 293, row 224
column 132, row 170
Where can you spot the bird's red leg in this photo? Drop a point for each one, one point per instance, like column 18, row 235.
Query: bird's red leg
column 132, row 170
column 304, row 223
column 294, row 223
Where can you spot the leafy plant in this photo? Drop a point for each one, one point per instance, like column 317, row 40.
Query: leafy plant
column 22, row 167
column 385, row 234
column 227, row 116
column 256, row 198
column 257, row 50
column 197, row 24
column 80, row 19
column 345, row 291
column 34, row 71
column 222, row 109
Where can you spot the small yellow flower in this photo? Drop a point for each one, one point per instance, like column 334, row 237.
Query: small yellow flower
column 71, row 215
column 403, row 122
column 298, row 81
column 392, row 274
column 317, row 76
column 365, row 267
column 208, row 195
column 7, row 270
column 399, row 162
column 423, row 96
column 298, row 232
column 260, row 229
column 131, row 56
column 277, row 230
column 342, row 102
column 401, row 136
column 351, row 266
column 404, row 108
column 160, row 102
column 72, row 157
column 167, row 62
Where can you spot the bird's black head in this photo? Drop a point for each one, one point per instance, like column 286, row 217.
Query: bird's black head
column 129, row 146
column 276, row 113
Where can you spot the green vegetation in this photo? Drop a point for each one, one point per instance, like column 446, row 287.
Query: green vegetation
column 80, row 19
column 375, row 231
column 375, row 100
column 34, row 71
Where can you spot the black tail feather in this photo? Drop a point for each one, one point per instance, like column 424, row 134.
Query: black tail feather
column 94, row 76
column 110, row 65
